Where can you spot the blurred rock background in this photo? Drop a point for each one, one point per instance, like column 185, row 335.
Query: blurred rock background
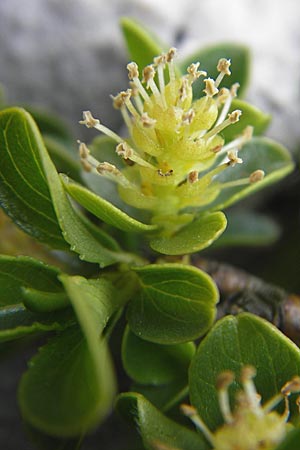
column 68, row 56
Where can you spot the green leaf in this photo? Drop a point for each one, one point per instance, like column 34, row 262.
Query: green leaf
column 259, row 153
column 196, row 236
column 43, row 441
column 104, row 210
column 232, row 343
column 70, row 384
column 24, row 193
column 66, row 390
column 25, row 272
column 291, row 442
column 155, row 428
column 142, row 46
column 166, row 396
column 209, row 57
column 149, row 363
column 43, row 302
column 250, row 116
column 175, row 303
column 62, row 158
column 248, row 228
column 91, row 244
column 16, row 322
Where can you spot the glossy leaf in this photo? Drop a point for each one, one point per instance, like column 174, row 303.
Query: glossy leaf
column 155, row 364
column 104, row 210
column 232, row 343
column 62, row 158
column 175, row 304
column 155, row 428
column 259, row 153
column 142, row 46
column 21, row 272
column 165, row 396
column 16, row 322
column 24, row 193
column 209, row 57
column 248, row 228
column 199, row 234
column 50, row 124
column 251, row 116
column 66, row 390
column 43, row 302
column 70, row 385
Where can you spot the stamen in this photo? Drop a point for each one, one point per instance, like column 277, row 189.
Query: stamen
column 256, row 176
column 191, row 413
column 147, row 121
column 126, row 152
column 193, row 176
column 223, row 68
column 232, row 118
column 88, row 120
column 91, row 122
column 233, row 158
column 136, row 95
column 119, row 102
column 165, row 174
column 194, row 73
column 291, row 387
column 224, row 380
column 188, row 117
column 110, row 172
column 183, row 90
column 230, row 95
column 247, row 375
column 160, row 62
column 210, row 87
column 148, row 77
column 170, row 60
column 239, row 141
column 133, row 75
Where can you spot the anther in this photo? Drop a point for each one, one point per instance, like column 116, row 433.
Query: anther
column 88, row 120
column 147, row 121
column 194, row 73
column 106, row 167
column 235, row 116
column 124, row 150
column 148, row 74
column 165, row 174
column 133, row 70
column 291, row 386
column 216, row 149
column 171, row 54
column 183, row 90
column 188, row 117
column 83, row 150
column 86, row 165
column 233, row 158
column 192, row 176
column 256, row 176
column 210, row 87
column 223, row 66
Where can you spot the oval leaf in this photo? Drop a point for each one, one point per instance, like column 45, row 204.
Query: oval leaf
column 232, row 343
column 66, row 390
column 157, row 430
column 199, row 234
column 175, row 304
column 70, row 385
column 104, row 210
column 142, row 46
column 155, row 364
column 21, row 272
column 24, row 193
column 259, row 153
column 16, row 322
column 209, row 57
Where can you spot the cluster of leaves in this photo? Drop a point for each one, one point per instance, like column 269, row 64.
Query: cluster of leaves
column 70, row 385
